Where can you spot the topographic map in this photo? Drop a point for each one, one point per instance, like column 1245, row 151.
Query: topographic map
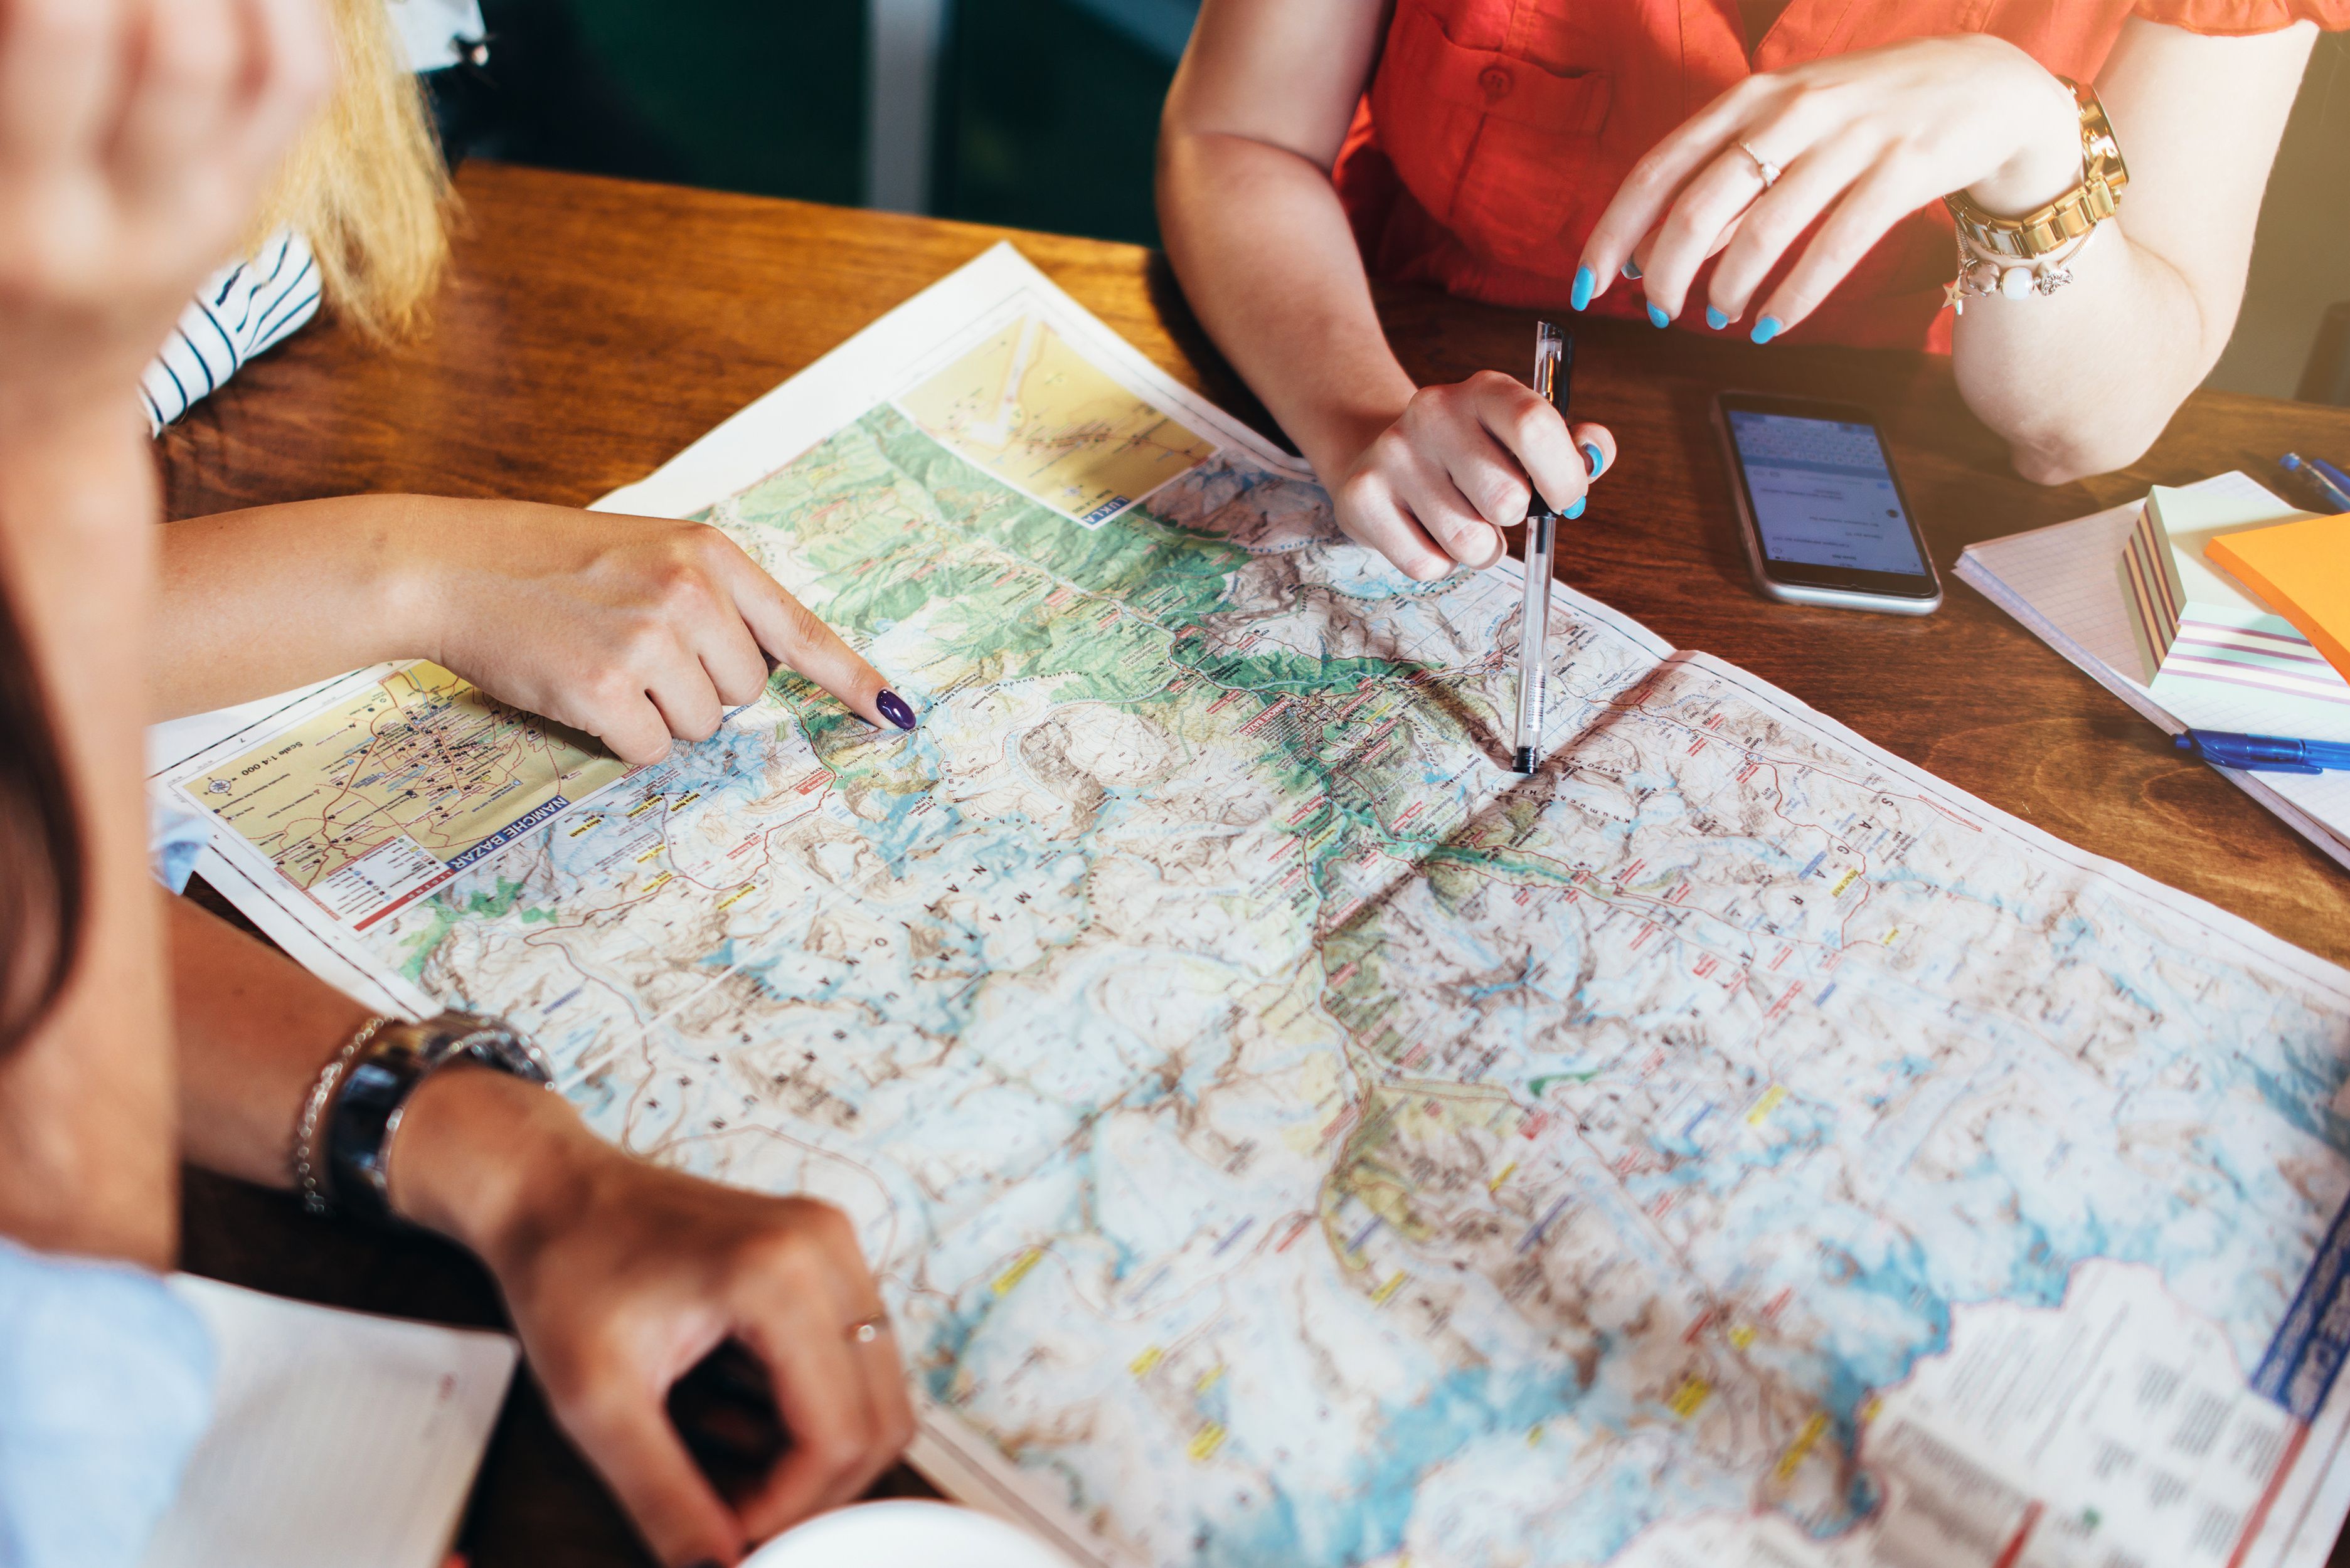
column 1288, row 1138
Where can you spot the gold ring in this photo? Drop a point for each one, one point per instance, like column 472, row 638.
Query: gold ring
column 1763, row 166
column 865, row 1330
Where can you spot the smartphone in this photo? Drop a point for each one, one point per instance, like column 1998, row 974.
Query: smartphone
column 1819, row 507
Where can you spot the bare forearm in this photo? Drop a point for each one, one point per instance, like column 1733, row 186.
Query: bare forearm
column 263, row 600
column 253, row 1030
column 1267, row 260
column 2083, row 380
column 83, row 1102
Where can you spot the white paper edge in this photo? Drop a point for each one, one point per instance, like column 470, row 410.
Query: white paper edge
column 886, row 358
column 978, row 1476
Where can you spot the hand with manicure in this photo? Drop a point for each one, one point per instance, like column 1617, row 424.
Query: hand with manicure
column 1852, row 143
column 1434, row 489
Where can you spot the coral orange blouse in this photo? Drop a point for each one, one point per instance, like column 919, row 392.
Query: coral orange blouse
column 1496, row 132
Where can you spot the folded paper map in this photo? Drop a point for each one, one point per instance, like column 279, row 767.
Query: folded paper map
column 2212, row 651
column 1286, row 1136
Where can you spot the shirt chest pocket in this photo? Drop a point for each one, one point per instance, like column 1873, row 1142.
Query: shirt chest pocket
column 1496, row 147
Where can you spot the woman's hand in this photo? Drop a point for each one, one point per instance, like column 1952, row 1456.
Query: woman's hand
column 621, row 1276
column 635, row 629
column 135, row 138
column 1433, row 491
column 1865, row 138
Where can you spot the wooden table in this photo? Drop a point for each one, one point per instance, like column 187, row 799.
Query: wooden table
column 595, row 327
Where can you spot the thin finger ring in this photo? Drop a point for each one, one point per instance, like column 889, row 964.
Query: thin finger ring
column 865, row 1330
column 1763, row 166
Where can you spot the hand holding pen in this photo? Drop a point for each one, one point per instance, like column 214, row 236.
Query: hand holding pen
column 1431, row 484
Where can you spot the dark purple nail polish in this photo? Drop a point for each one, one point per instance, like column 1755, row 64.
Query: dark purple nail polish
column 893, row 707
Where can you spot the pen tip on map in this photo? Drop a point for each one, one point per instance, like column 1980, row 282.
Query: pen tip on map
column 1524, row 761
column 893, row 707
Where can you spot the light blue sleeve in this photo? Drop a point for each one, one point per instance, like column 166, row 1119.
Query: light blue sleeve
column 177, row 834
column 105, row 1383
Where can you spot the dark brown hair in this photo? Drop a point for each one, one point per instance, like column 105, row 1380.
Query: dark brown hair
column 41, row 885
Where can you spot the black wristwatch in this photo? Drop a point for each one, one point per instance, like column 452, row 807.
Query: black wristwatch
column 390, row 1059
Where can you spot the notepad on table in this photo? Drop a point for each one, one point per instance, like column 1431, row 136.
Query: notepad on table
column 337, row 1438
column 2060, row 582
column 2205, row 640
column 2301, row 570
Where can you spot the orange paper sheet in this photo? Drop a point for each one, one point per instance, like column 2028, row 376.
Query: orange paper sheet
column 2303, row 570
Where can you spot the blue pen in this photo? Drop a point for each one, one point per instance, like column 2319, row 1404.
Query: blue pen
column 2265, row 754
column 2330, row 482
column 2333, row 476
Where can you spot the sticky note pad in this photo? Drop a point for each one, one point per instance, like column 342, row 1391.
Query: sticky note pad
column 2302, row 571
column 2215, row 653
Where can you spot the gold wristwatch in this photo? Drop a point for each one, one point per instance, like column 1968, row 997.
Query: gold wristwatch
column 2071, row 215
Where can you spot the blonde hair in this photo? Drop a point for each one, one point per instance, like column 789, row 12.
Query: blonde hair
column 366, row 186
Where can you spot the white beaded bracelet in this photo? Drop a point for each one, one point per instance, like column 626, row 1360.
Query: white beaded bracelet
column 1982, row 274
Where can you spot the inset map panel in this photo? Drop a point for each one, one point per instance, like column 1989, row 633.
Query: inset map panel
column 389, row 792
column 1031, row 410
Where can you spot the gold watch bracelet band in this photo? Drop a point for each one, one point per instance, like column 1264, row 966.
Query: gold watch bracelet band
column 2097, row 197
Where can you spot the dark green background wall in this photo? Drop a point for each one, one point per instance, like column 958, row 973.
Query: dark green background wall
column 1047, row 113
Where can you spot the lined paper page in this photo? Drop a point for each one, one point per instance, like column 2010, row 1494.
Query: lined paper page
column 2059, row 583
column 337, row 1438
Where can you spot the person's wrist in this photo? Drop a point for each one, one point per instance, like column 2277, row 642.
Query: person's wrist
column 411, row 597
column 2046, row 159
column 483, row 1157
column 1337, row 438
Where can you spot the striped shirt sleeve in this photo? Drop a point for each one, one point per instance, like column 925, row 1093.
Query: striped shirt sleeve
column 241, row 311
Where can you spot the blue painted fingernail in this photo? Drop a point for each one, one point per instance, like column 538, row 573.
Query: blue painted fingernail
column 1657, row 316
column 1631, row 269
column 1575, row 508
column 1591, row 455
column 893, row 707
column 1767, row 329
column 1715, row 319
column 1580, row 295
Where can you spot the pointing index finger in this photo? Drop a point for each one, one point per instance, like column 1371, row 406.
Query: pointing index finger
column 796, row 638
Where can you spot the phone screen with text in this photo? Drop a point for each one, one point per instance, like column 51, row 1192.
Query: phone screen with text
column 1823, row 493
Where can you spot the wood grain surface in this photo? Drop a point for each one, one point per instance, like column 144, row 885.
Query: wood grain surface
column 593, row 328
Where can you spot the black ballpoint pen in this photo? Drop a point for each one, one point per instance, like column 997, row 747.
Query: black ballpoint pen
column 1553, row 370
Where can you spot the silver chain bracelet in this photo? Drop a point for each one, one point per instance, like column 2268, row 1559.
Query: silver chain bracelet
column 307, row 1163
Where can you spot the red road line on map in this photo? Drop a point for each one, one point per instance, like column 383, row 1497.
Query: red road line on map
column 2260, row 1514
column 2006, row 1559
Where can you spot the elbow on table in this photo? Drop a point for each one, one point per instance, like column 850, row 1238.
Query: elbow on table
column 2064, row 452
